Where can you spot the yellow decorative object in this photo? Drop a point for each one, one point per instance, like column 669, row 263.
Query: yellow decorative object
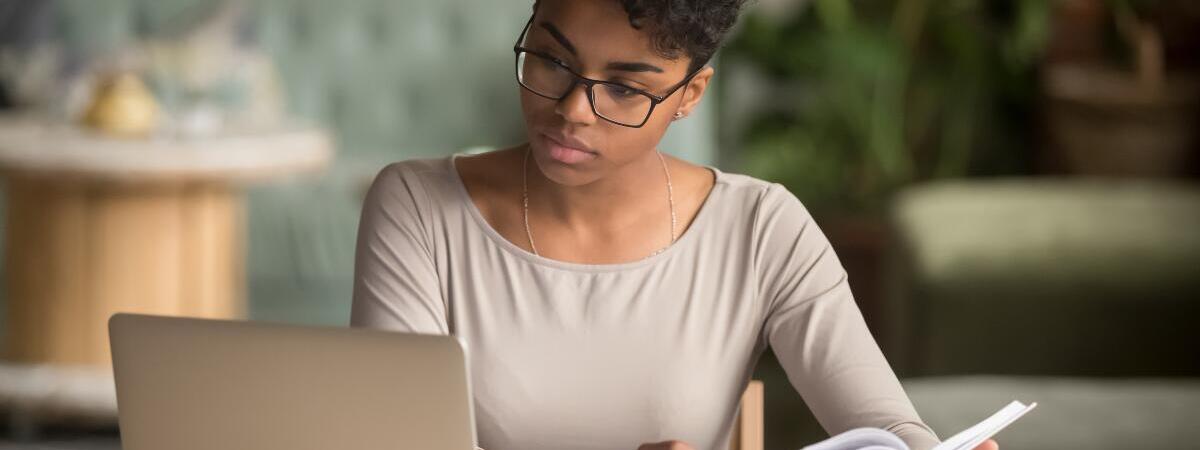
column 123, row 106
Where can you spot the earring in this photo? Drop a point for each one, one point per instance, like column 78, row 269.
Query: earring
column 678, row 115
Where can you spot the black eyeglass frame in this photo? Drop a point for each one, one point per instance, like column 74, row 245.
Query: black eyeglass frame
column 589, row 83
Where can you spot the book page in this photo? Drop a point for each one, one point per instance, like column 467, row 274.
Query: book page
column 876, row 439
column 861, row 439
column 975, row 435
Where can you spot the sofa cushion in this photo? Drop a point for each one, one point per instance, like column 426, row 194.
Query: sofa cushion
column 1072, row 413
column 1048, row 276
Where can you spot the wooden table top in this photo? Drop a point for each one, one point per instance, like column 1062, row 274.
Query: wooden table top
column 35, row 147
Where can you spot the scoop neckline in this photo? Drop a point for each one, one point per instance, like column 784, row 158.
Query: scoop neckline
column 688, row 235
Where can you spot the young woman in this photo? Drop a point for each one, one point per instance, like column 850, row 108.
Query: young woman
column 613, row 297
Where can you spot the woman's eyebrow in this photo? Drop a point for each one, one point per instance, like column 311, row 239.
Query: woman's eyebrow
column 633, row 67
column 616, row 65
column 558, row 36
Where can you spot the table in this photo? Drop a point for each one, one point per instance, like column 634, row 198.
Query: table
column 96, row 225
column 31, row 394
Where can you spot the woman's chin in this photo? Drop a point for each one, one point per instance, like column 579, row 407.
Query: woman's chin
column 567, row 176
column 570, row 175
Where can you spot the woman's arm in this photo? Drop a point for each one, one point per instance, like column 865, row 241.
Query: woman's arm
column 815, row 328
column 396, row 284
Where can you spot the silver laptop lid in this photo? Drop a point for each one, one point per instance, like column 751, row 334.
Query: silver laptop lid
column 209, row 384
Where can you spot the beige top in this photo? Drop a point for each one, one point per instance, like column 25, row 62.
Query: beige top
column 575, row 356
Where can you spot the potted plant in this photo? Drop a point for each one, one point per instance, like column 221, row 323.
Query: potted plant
column 863, row 97
column 1117, row 104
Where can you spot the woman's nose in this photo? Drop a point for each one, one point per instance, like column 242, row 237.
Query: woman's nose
column 575, row 107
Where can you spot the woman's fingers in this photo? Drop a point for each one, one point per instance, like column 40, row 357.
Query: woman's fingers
column 989, row 444
column 666, row 445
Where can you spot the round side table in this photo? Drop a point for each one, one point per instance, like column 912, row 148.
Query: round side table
column 97, row 225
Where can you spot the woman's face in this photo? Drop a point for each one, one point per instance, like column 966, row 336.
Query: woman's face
column 571, row 145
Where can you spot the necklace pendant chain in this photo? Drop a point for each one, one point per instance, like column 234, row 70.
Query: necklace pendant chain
column 525, row 202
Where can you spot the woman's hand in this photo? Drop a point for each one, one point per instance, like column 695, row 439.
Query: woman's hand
column 989, row 444
column 669, row 445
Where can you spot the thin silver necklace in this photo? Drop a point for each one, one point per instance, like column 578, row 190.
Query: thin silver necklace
column 525, row 201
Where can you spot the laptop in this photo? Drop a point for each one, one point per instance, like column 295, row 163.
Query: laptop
column 187, row 384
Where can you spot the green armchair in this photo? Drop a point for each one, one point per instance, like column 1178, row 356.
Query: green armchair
column 1081, row 295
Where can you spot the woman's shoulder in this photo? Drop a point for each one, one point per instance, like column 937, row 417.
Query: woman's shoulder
column 440, row 183
column 758, row 196
column 493, row 171
column 441, row 174
column 420, row 184
column 409, row 170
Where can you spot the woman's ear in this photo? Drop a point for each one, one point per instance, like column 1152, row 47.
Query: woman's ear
column 694, row 91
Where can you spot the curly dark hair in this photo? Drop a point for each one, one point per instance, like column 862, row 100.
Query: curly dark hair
column 691, row 27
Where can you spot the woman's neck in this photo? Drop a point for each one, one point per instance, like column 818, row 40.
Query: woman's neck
column 623, row 195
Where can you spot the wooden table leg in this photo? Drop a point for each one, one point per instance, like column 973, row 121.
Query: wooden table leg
column 77, row 252
column 748, row 426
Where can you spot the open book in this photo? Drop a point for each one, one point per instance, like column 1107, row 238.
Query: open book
column 876, row 439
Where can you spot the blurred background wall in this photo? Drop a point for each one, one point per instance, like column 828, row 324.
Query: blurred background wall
column 1011, row 184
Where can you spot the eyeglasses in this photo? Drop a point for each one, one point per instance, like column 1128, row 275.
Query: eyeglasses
column 549, row 77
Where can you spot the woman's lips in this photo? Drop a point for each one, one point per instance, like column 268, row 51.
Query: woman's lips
column 567, row 155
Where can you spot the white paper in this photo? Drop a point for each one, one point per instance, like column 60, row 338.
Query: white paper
column 877, row 439
column 972, row 437
column 861, row 439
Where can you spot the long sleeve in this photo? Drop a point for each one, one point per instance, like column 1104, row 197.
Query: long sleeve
column 816, row 330
column 396, row 284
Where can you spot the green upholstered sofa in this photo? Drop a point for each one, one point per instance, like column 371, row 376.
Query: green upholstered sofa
column 1082, row 295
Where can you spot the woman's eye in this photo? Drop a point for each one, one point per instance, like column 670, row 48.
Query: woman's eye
column 621, row 91
column 550, row 64
column 557, row 61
